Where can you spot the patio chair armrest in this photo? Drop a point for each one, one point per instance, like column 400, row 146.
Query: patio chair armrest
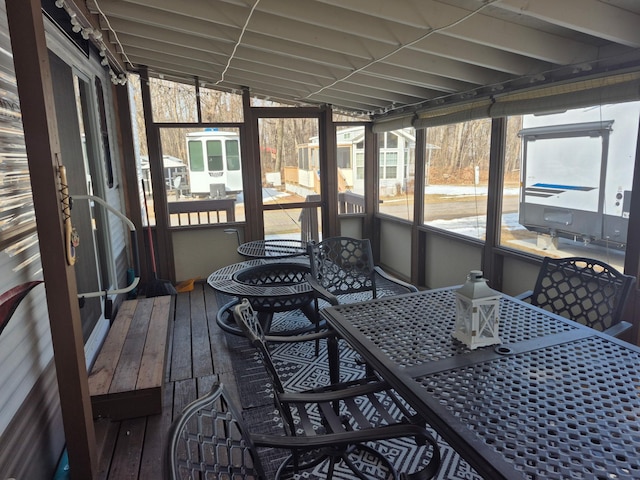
column 303, row 337
column 524, row 296
column 421, row 436
column 320, row 292
column 409, row 287
column 342, row 438
column 618, row 329
column 330, row 393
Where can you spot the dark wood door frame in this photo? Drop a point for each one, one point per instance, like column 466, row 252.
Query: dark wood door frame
column 35, row 89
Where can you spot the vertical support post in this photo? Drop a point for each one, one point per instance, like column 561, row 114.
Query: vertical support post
column 371, row 188
column 420, row 178
column 328, row 174
column 491, row 262
column 35, row 88
column 251, row 172
column 632, row 255
column 130, row 173
column 165, row 247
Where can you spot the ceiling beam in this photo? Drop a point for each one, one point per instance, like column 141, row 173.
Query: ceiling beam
column 446, row 68
column 479, row 55
column 416, row 77
column 593, row 17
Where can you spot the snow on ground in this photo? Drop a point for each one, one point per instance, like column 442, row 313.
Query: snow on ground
column 475, row 226
column 459, row 190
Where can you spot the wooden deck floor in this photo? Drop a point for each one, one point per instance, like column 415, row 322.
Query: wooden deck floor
column 197, row 355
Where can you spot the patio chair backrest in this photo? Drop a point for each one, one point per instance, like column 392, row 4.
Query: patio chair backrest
column 209, row 440
column 585, row 290
column 247, row 319
column 343, row 265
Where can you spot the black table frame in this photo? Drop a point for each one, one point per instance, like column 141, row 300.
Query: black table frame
column 421, row 363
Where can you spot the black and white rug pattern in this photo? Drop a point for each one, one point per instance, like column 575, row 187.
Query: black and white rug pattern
column 300, row 368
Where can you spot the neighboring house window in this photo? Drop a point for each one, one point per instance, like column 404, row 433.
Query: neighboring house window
column 344, row 157
column 388, row 165
column 360, row 165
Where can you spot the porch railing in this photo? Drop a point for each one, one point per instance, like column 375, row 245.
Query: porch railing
column 206, row 212
column 202, row 212
column 349, row 202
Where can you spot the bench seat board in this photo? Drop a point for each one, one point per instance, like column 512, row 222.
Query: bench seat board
column 126, row 380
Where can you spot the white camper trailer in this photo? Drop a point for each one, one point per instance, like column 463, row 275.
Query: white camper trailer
column 577, row 169
column 215, row 168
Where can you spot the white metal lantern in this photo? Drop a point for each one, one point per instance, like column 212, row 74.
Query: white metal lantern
column 477, row 312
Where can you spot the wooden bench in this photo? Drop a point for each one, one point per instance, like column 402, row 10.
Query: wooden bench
column 127, row 378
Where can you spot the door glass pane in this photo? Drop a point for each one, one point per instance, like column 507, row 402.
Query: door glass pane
column 290, row 173
column 350, row 159
column 197, row 195
column 396, row 172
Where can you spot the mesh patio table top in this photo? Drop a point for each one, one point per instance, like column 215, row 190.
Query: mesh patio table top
column 273, row 248
column 555, row 400
column 270, row 285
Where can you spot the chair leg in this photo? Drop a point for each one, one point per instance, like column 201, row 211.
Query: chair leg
column 333, row 353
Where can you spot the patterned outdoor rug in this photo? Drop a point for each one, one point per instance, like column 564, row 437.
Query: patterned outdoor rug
column 299, row 369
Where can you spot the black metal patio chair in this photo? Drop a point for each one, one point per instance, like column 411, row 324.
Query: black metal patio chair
column 334, row 423
column 210, row 440
column 343, row 271
column 585, row 290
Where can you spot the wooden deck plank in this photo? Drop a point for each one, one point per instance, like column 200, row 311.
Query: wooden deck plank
column 181, row 354
column 204, row 384
column 105, row 365
column 151, row 374
column 217, row 337
column 201, row 347
column 128, row 451
column 106, row 437
column 126, row 374
column 229, row 381
column 155, row 439
column 185, row 392
column 170, row 338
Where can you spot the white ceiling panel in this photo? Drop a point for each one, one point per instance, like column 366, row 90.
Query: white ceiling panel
column 372, row 56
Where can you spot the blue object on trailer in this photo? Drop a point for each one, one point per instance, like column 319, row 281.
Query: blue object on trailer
column 62, row 472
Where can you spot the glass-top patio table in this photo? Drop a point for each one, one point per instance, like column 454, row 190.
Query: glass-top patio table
column 555, row 400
